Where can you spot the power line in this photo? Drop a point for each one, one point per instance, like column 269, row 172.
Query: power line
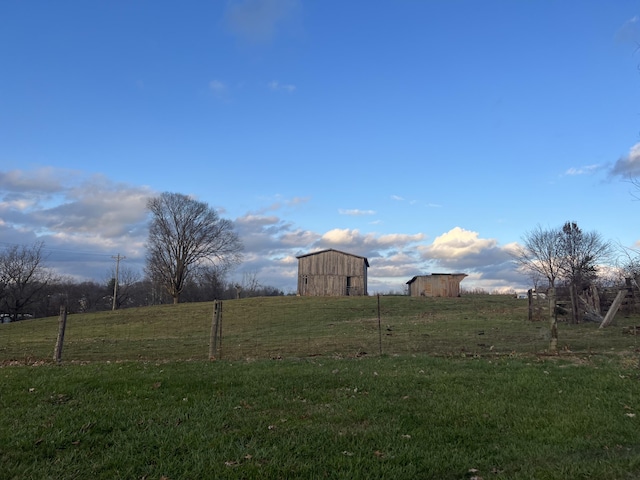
column 57, row 250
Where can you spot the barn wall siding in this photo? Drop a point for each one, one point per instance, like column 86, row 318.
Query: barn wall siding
column 436, row 285
column 330, row 273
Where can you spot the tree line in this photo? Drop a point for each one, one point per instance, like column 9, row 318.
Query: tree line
column 190, row 251
column 575, row 260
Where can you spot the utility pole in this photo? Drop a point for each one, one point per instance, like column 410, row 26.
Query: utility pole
column 117, row 258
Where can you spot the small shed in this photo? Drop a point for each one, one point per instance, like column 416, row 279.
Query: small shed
column 332, row 273
column 436, row 285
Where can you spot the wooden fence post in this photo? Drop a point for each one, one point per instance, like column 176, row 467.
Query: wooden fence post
column 215, row 338
column 608, row 318
column 62, row 325
column 553, row 321
column 379, row 328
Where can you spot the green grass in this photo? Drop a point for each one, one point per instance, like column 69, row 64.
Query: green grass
column 465, row 388
column 299, row 327
column 396, row 418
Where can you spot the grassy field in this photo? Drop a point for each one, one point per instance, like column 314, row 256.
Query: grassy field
column 303, row 327
column 464, row 389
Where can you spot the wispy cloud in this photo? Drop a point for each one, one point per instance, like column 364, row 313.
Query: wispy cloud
column 629, row 31
column 277, row 86
column 258, row 21
column 281, row 202
column 355, row 212
column 219, row 88
column 397, row 198
column 584, row 170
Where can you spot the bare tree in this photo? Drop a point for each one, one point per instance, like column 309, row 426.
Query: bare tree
column 127, row 279
column 539, row 255
column 23, row 277
column 211, row 282
column 185, row 233
column 582, row 252
column 566, row 254
column 250, row 284
column 630, row 267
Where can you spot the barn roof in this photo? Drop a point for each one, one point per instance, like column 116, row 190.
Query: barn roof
column 435, row 275
column 334, row 250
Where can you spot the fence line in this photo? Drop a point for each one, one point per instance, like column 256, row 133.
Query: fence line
column 303, row 327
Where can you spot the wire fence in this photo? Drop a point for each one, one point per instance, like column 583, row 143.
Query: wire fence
column 304, row 327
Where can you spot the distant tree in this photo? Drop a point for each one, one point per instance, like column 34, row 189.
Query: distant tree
column 540, row 255
column 628, row 263
column 564, row 254
column 85, row 296
column 24, row 279
column 249, row 286
column 184, row 234
column 127, row 286
column 582, row 252
column 211, row 284
column 150, row 291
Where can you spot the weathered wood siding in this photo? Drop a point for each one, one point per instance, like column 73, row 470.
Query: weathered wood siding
column 436, row 285
column 332, row 273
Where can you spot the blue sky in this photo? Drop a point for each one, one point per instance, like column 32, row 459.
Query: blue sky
column 427, row 136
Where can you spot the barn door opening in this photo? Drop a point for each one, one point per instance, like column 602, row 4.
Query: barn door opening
column 348, row 285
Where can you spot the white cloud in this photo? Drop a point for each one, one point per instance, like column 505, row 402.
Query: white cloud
column 367, row 245
column 277, row 86
column 219, row 89
column 73, row 212
column 40, row 180
column 355, row 212
column 629, row 31
column 257, row 220
column 398, row 239
column 258, row 21
column 457, row 243
column 281, row 203
column 584, row 170
column 85, row 220
column 464, row 250
column 217, row 86
column 339, row 236
column 628, row 166
column 299, row 238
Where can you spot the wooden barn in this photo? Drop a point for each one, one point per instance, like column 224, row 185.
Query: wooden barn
column 436, row 285
column 332, row 273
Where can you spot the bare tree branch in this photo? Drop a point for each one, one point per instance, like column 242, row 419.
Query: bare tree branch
column 23, row 278
column 184, row 234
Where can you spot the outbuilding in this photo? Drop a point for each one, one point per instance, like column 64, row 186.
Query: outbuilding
column 436, row 285
column 332, row 273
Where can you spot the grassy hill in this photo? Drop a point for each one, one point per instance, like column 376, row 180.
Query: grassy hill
column 464, row 389
column 284, row 327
